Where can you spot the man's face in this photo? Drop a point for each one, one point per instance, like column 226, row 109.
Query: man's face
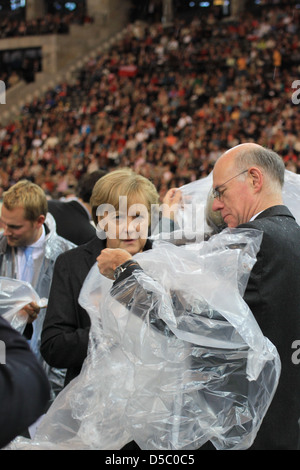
column 234, row 198
column 18, row 230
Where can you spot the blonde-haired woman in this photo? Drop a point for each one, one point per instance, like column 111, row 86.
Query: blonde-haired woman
column 121, row 206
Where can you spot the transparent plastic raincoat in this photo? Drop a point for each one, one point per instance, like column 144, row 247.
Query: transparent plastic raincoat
column 54, row 245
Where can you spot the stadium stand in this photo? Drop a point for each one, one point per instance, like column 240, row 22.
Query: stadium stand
column 164, row 99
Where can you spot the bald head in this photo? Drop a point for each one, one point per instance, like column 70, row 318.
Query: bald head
column 250, row 154
column 247, row 180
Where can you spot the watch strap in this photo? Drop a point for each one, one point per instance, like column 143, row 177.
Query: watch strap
column 120, row 269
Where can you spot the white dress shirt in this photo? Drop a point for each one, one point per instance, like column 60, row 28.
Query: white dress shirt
column 38, row 251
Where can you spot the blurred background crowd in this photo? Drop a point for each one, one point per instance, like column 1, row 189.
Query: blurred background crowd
column 166, row 100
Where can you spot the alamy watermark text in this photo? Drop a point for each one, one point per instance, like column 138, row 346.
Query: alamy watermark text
column 296, row 353
column 137, row 221
column 2, row 92
column 2, row 353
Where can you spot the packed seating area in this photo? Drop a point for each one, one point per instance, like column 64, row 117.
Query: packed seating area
column 127, row 324
column 23, row 64
column 166, row 101
column 49, row 24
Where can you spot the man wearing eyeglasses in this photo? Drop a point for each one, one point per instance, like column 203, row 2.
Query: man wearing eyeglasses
column 247, row 187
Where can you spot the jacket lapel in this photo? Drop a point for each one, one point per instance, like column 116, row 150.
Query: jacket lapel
column 92, row 249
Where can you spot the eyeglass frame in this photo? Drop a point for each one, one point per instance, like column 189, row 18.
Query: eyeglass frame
column 217, row 194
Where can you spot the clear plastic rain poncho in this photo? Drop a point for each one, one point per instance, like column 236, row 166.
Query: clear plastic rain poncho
column 196, row 220
column 14, row 295
column 175, row 356
column 19, row 294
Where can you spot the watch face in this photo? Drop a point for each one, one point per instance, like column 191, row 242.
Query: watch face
column 117, row 272
column 122, row 268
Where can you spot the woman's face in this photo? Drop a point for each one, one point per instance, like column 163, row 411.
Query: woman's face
column 126, row 228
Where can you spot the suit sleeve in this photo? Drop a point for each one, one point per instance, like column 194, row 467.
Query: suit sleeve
column 24, row 387
column 253, row 294
column 128, row 292
column 64, row 339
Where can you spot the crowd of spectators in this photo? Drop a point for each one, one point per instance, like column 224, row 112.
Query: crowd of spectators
column 11, row 27
column 23, row 66
column 17, row 65
column 165, row 101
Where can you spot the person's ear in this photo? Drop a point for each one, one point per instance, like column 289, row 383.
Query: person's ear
column 40, row 220
column 256, row 178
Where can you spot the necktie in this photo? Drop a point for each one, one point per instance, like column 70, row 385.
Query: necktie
column 28, row 268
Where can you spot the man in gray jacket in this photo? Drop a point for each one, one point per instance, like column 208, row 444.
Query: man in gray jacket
column 29, row 246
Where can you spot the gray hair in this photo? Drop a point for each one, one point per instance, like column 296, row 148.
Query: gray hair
column 264, row 158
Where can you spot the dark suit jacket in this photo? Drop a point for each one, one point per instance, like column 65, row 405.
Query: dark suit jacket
column 273, row 295
column 72, row 221
column 24, row 388
column 65, row 334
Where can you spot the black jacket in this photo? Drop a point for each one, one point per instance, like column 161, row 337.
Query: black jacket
column 24, row 388
column 273, row 295
column 72, row 221
column 65, row 335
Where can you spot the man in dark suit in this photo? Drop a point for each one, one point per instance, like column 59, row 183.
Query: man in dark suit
column 73, row 217
column 247, row 183
column 24, row 388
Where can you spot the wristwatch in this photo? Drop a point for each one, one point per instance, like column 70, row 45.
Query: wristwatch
column 120, row 269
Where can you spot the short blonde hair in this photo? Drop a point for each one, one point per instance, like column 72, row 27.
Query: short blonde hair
column 29, row 196
column 123, row 182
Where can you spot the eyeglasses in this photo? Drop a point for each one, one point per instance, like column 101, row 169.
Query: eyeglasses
column 217, row 193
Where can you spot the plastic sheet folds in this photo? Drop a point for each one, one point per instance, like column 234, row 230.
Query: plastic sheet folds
column 14, row 295
column 175, row 357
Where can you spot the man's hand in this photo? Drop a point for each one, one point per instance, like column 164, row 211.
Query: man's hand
column 31, row 311
column 170, row 203
column 110, row 259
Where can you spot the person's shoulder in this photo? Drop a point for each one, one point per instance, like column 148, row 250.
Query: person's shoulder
column 63, row 206
column 93, row 246
column 55, row 203
column 3, row 243
column 279, row 227
column 272, row 215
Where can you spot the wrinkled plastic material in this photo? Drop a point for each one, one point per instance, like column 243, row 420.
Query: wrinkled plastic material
column 54, row 245
column 290, row 193
column 14, row 295
column 175, row 356
column 193, row 215
column 195, row 219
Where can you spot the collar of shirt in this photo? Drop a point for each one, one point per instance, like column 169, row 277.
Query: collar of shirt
column 254, row 217
column 38, row 250
column 38, row 246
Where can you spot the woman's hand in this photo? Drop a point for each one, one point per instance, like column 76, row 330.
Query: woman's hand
column 109, row 259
